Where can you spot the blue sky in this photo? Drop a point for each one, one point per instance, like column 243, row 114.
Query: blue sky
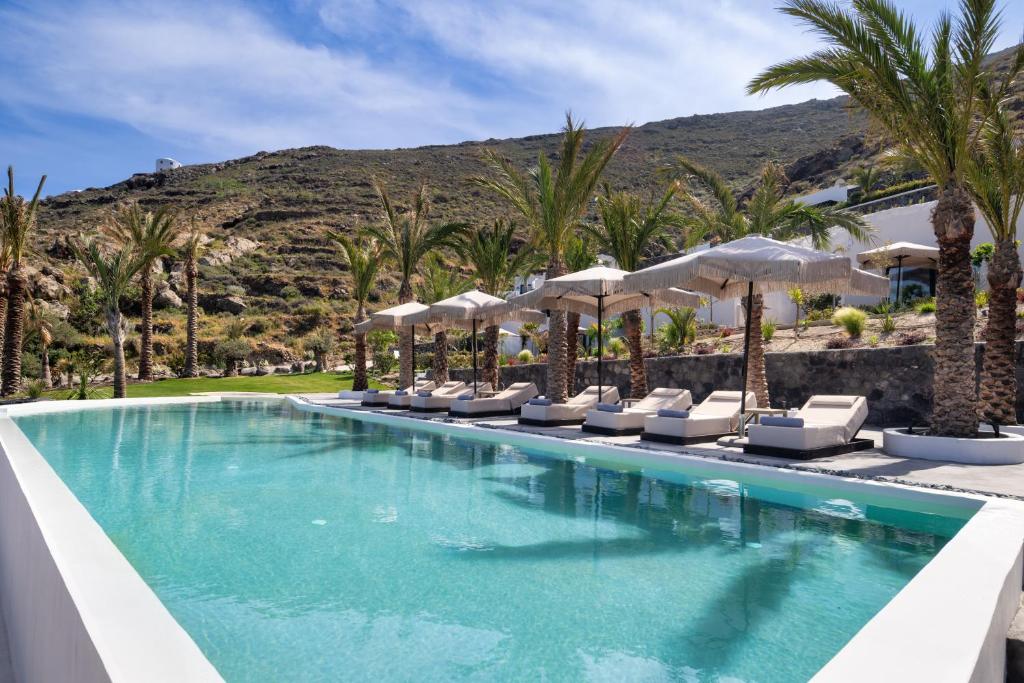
column 95, row 90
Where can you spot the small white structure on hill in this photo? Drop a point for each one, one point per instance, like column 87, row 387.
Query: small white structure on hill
column 836, row 194
column 166, row 164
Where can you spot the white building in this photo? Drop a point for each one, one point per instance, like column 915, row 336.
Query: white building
column 836, row 194
column 166, row 164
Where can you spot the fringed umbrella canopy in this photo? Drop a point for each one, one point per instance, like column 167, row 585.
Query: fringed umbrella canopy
column 396, row 316
column 366, row 326
column 905, row 254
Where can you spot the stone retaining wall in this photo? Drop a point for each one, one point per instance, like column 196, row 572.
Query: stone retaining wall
column 896, row 381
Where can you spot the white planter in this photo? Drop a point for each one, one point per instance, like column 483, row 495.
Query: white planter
column 1006, row 450
column 351, row 395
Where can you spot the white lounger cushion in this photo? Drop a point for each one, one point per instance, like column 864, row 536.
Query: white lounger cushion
column 382, row 397
column 717, row 414
column 633, row 417
column 443, row 398
column 508, row 400
column 575, row 409
column 828, row 421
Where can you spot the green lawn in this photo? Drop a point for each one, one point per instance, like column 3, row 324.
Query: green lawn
column 314, row 382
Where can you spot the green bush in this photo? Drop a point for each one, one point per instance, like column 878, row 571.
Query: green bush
column 850, row 319
column 525, row 356
column 768, row 327
column 981, row 298
column 617, row 347
column 888, row 324
column 873, row 340
column 926, row 306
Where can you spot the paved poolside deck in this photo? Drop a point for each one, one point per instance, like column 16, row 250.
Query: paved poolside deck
column 1001, row 480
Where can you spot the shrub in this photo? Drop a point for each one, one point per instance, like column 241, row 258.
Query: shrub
column 850, row 319
column 290, row 292
column 838, row 342
column 724, row 332
column 384, row 362
column 502, row 360
column 873, row 340
column 525, row 356
column 911, row 337
column 926, row 306
column 617, row 347
column 726, row 348
column 1020, row 314
column 981, row 298
column 768, row 329
column 888, row 324
column 35, row 388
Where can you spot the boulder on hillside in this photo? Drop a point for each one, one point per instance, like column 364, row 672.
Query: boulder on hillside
column 55, row 308
column 166, row 298
column 222, row 303
column 233, row 248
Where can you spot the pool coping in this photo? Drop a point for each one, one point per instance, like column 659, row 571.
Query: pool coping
column 74, row 605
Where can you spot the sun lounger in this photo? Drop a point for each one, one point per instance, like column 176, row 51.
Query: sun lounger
column 507, row 402
column 379, row 399
column 826, row 425
column 617, row 420
column 439, row 400
column 543, row 413
column 715, row 417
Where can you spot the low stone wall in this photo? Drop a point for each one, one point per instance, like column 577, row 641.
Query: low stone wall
column 896, row 381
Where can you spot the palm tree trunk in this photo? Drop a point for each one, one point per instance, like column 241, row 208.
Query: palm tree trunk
column 637, row 373
column 406, row 342
column 556, row 389
column 192, row 328
column 572, row 350
column 231, row 368
column 954, row 408
column 440, row 366
column 490, row 373
column 359, row 382
column 44, row 374
column 3, row 317
column 146, row 341
column 998, row 390
column 115, row 328
column 757, row 375
column 14, row 329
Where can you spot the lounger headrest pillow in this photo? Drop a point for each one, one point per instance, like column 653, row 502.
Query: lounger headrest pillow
column 424, row 393
column 668, row 412
column 464, row 397
column 779, row 421
column 609, row 407
column 833, row 402
column 372, row 391
column 401, row 392
column 540, row 401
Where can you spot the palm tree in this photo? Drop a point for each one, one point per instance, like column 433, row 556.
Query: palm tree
column 151, row 234
column 496, row 265
column 191, row 249
column 630, row 230
column 865, row 177
column 39, row 323
column 927, row 101
column 363, row 258
column 405, row 239
column 113, row 272
column 17, row 218
column 579, row 255
column 553, row 200
column 766, row 213
column 995, row 179
column 681, row 328
column 440, row 281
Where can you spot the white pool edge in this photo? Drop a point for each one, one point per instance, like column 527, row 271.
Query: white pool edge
column 74, row 605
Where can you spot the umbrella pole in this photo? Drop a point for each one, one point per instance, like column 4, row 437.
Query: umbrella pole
column 474, row 356
column 899, row 278
column 746, row 358
column 412, row 351
column 600, row 346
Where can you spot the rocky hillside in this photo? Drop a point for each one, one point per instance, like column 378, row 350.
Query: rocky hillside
column 266, row 214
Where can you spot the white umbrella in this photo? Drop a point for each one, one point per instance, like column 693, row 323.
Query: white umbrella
column 468, row 310
column 394, row 318
column 739, row 267
column 904, row 255
column 602, row 288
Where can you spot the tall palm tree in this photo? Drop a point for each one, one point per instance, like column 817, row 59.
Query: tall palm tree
column 924, row 96
column 39, row 323
column 405, row 239
column 767, row 213
column 17, row 219
column 496, row 266
column 554, row 199
column 114, row 271
column 440, row 281
column 152, row 235
column 579, row 255
column 191, row 249
column 995, row 179
column 362, row 255
column 681, row 328
column 630, row 230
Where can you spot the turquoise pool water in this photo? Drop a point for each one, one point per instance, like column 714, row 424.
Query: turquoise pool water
column 309, row 548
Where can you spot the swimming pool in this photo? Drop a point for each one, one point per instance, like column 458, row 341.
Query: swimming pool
column 334, row 548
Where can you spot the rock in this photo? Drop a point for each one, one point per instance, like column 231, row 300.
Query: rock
column 166, row 297
column 60, row 250
column 56, row 308
column 232, row 249
column 48, row 289
column 222, row 303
